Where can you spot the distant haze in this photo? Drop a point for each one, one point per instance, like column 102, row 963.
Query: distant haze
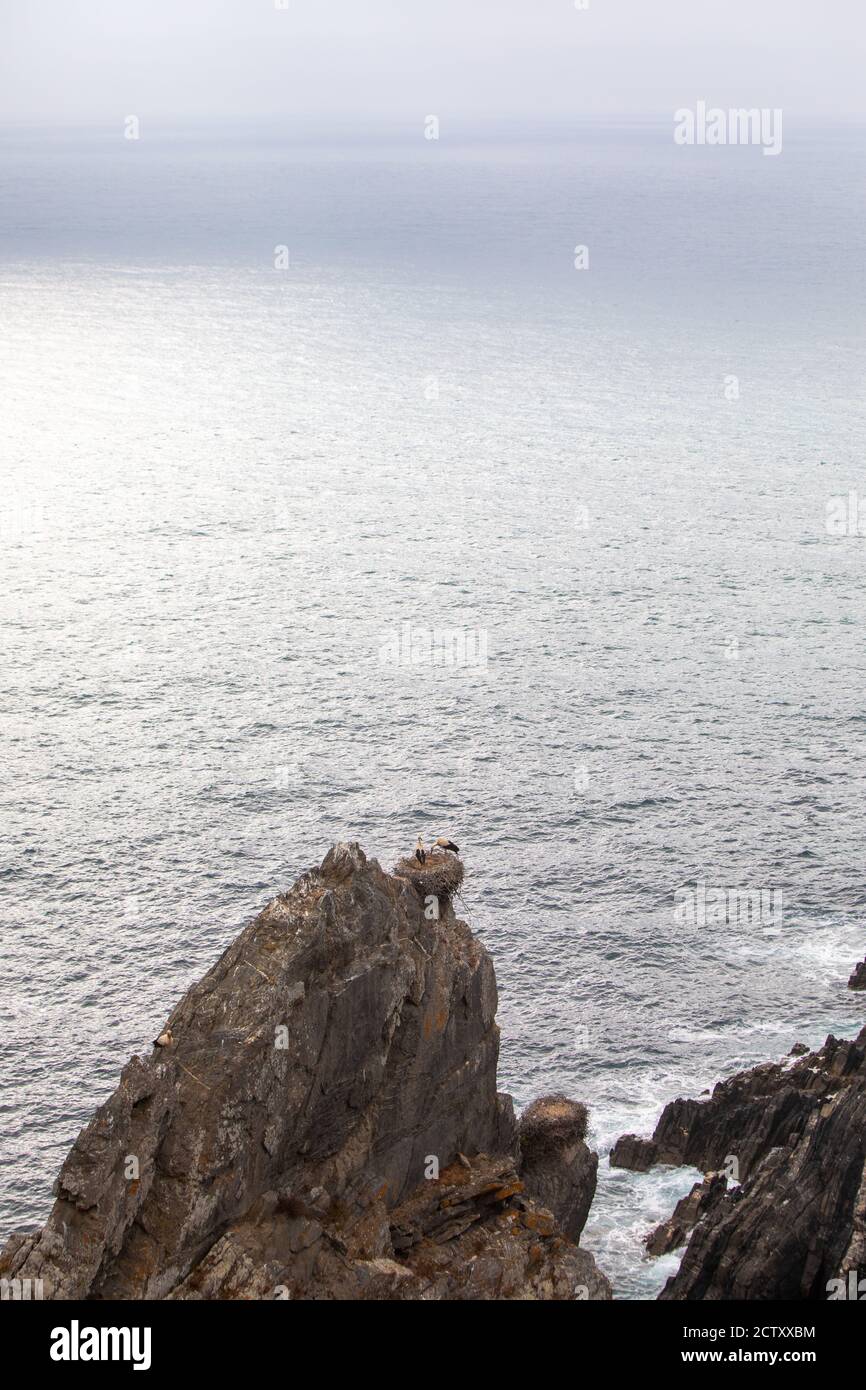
column 91, row 61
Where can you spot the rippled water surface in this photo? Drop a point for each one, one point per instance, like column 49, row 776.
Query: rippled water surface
column 227, row 487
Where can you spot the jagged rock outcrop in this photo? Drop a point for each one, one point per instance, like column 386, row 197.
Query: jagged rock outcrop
column 794, row 1133
column 745, row 1116
column 470, row 1234
column 324, row 1124
column 858, row 976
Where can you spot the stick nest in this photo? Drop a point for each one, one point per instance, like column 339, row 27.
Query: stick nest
column 550, row 1124
column 440, row 877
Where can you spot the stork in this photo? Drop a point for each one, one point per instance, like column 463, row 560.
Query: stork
column 442, row 843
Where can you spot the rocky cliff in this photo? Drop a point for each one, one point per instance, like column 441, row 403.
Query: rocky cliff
column 322, row 1121
column 792, row 1137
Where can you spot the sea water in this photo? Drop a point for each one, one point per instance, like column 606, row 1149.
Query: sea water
column 569, row 408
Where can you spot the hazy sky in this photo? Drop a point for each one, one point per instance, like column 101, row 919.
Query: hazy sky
column 66, row 61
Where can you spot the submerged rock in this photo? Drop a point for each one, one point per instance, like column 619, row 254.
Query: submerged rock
column 299, row 1134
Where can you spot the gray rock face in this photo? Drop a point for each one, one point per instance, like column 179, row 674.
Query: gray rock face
column 798, row 1135
column 747, row 1115
column 342, row 1047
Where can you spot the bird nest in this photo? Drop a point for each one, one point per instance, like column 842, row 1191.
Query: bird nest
column 440, row 877
column 552, row 1123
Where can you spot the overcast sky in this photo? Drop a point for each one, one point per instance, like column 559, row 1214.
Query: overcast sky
column 70, row 61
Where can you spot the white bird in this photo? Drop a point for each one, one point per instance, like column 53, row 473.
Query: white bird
column 442, row 843
column 165, row 1039
column 420, row 851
